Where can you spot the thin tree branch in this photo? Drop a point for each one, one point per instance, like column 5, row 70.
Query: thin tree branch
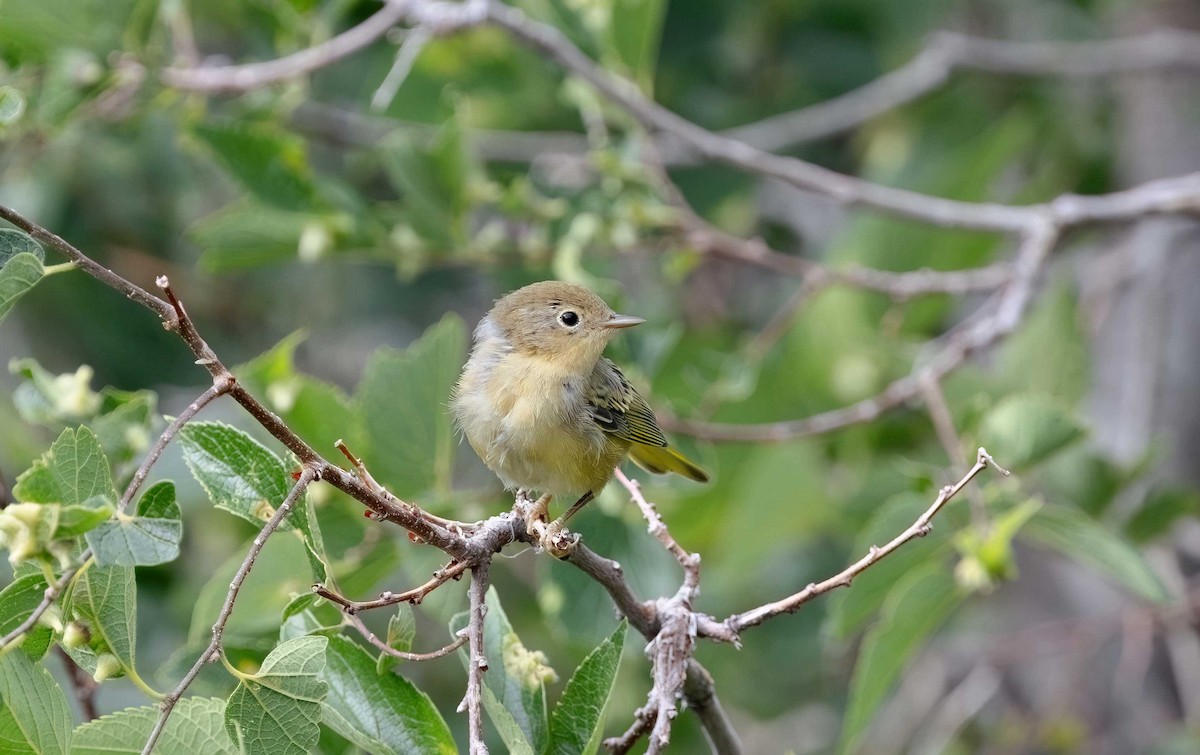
column 220, row 387
column 5, row 496
column 406, row 57
column 943, row 426
column 689, row 562
column 370, row 636
column 452, row 570
column 477, row 663
column 921, row 527
column 948, row 52
column 211, row 653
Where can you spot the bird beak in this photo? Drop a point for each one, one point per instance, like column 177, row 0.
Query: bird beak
column 622, row 321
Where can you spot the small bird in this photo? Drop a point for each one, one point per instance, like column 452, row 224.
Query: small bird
column 544, row 410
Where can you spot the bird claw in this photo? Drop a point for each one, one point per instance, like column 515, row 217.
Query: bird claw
column 557, row 541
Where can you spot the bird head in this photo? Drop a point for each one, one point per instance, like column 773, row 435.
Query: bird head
column 562, row 323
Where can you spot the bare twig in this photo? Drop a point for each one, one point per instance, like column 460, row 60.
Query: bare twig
column 406, row 56
column 370, row 636
column 921, row 527
column 452, row 570
column 220, row 387
column 212, row 652
column 689, row 562
column 477, row 663
column 943, row 425
column 5, row 497
column 82, row 684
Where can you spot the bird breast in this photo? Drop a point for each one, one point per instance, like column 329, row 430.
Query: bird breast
column 529, row 422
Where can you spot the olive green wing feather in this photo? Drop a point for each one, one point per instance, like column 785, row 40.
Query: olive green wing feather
column 619, row 409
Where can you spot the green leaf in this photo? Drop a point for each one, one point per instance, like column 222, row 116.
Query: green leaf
column 514, row 693
column 34, row 717
column 577, row 724
column 402, row 403
column 14, row 242
column 1083, row 539
column 249, row 233
column 74, row 521
column 914, row 609
column 851, row 609
column 105, row 597
column 278, row 710
column 269, row 163
column 1028, row 428
column 17, row 601
column 380, row 713
column 197, row 725
column 1159, row 512
column 18, row 275
column 73, row 471
column 634, row 33
column 149, row 537
column 402, row 628
column 309, row 614
column 243, row 477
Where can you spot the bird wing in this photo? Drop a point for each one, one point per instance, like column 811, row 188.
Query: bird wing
column 619, row 409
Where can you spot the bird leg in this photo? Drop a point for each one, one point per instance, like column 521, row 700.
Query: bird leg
column 554, row 538
column 575, row 507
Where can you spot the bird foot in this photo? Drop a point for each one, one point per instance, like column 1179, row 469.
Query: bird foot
column 557, row 540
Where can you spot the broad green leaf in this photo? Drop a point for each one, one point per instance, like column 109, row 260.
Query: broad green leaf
column 1159, row 512
column 914, row 609
column 432, row 184
column 402, row 403
column 577, row 724
column 18, row 275
column 514, row 685
column 73, row 471
column 270, row 164
column 243, row 477
column 249, row 233
column 634, row 33
column 151, row 536
column 278, row 709
column 381, row 713
column 1085, row 540
column 197, row 725
column 14, row 242
column 1025, row 429
column 852, row 608
column 402, row 628
column 34, row 716
column 1053, row 327
column 17, row 601
column 105, row 597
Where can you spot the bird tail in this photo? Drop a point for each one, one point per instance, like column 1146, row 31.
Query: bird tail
column 662, row 459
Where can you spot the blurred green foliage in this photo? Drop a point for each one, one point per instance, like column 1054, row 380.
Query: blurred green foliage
column 294, row 208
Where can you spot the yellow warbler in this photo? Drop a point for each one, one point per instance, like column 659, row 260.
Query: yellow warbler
column 541, row 406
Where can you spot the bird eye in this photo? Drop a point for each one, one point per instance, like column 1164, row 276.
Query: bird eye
column 568, row 318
